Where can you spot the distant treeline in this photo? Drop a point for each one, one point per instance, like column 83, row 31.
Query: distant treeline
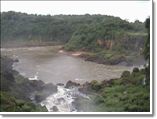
column 62, row 28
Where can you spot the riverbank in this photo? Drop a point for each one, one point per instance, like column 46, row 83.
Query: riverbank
column 33, row 43
column 104, row 58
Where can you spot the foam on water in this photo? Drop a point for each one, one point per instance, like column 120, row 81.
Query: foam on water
column 35, row 77
column 62, row 100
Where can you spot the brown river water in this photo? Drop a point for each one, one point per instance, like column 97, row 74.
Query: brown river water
column 49, row 65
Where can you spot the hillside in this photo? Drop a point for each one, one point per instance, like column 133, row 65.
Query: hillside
column 110, row 33
column 24, row 27
column 111, row 41
column 108, row 39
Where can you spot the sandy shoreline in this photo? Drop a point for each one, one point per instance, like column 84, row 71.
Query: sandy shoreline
column 77, row 54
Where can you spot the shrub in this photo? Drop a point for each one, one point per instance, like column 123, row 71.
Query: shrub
column 11, row 104
column 136, row 70
column 125, row 74
column 95, row 85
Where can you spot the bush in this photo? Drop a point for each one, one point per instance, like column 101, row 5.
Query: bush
column 135, row 70
column 26, row 108
column 125, row 74
column 125, row 94
column 95, row 85
column 11, row 104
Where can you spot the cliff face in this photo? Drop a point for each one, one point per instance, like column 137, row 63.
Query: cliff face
column 133, row 42
column 105, row 43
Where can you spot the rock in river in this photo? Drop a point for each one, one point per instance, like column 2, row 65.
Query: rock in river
column 71, row 84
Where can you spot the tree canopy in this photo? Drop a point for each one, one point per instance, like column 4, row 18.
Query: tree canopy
column 22, row 26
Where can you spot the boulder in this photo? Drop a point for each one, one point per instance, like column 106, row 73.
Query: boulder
column 85, row 88
column 50, row 87
column 36, row 84
column 60, row 84
column 44, row 92
column 71, row 84
column 39, row 97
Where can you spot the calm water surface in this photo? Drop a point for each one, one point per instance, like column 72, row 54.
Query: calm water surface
column 48, row 65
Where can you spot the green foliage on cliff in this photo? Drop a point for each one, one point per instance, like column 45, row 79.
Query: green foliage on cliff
column 81, row 30
column 118, row 37
column 22, row 26
column 123, row 34
column 112, row 40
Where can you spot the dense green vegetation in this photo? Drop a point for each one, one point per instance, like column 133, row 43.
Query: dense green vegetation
column 22, row 26
column 129, row 93
column 110, row 39
column 11, row 104
column 62, row 28
column 15, row 90
column 112, row 33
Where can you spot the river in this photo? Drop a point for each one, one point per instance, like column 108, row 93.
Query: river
column 51, row 66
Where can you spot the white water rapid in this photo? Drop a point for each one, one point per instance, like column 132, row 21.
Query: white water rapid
column 62, row 100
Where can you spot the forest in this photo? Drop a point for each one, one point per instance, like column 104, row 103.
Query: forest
column 70, row 29
column 106, row 39
column 102, row 39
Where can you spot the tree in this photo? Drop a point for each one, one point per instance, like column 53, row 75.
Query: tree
column 147, row 50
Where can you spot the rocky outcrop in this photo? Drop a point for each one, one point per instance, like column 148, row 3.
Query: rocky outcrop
column 85, row 88
column 121, row 60
column 71, row 84
column 105, row 43
column 44, row 91
column 60, row 84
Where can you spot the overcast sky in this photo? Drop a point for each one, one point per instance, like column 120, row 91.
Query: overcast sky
column 130, row 10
